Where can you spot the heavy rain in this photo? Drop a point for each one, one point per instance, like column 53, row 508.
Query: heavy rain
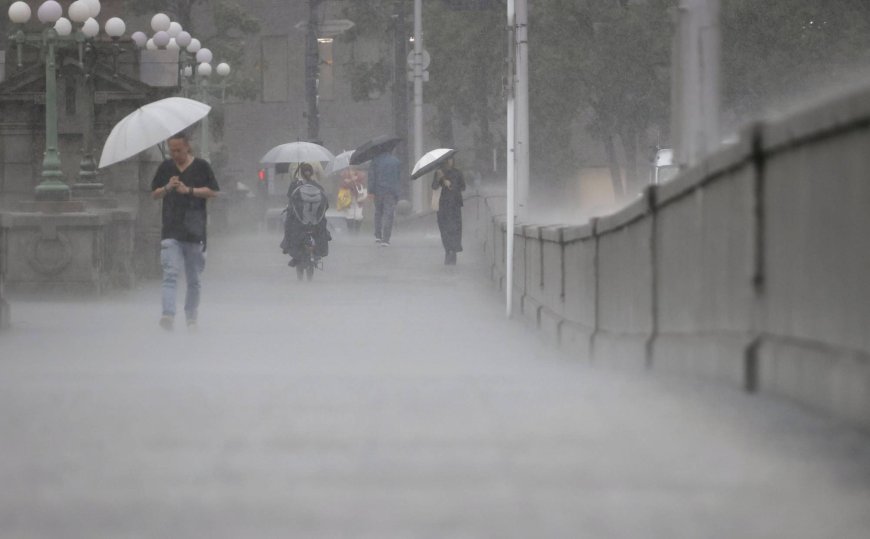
column 435, row 268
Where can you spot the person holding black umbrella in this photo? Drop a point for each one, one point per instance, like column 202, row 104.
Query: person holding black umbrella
column 451, row 184
column 385, row 184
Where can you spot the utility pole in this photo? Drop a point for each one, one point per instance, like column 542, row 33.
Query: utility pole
column 400, row 90
column 312, row 69
column 522, row 108
column 517, row 129
column 417, row 187
column 696, row 92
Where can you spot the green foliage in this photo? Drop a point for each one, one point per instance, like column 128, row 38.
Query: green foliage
column 467, row 52
column 603, row 58
column 790, row 50
column 369, row 79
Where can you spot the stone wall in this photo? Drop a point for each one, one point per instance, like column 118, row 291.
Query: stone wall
column 750, row 268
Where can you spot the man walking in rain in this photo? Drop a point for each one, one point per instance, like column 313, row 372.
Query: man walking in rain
column 384, row 183
column 184, row 183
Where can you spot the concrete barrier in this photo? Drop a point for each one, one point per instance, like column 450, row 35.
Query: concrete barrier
column 750, row 268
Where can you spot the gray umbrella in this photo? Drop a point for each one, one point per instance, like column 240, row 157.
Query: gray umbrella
column 375, row 146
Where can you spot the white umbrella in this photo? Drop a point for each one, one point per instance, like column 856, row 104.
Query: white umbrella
column 149, row 125
column 297, row 152
column 431, row 161
column 340, row 163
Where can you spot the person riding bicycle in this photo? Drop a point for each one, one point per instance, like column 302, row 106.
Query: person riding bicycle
column 306, row 210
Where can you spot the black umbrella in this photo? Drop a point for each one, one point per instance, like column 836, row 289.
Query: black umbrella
column 375, row 146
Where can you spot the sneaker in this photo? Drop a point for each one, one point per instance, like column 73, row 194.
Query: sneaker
column 191, row 324
column 385, row 244
column 166, row 322
column 378, row 241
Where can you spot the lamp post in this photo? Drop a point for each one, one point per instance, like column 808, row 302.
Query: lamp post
column 196, row 83
column 59, row 32
column 194, row 65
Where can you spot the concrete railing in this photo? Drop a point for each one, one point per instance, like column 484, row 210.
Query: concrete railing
column 753, row 268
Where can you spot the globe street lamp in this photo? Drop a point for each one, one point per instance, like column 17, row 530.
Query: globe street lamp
column 78, row 32
column 196, row 84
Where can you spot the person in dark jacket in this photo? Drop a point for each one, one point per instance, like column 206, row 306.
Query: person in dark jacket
column 385, row 185
column 183, row 183
column 452, row 184
column 294, row 227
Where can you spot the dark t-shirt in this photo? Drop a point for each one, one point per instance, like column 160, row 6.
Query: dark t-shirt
column 175, row 205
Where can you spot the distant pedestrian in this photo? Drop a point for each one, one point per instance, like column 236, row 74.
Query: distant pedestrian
column 451, row 183
column 352, row 193
column 184, row 183
column 385, row 185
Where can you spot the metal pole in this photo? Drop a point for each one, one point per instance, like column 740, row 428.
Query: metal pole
column 400, row 92
column 521, row 102
column 206, row 152
column 312, row 68
column 417, row 190
column 51, row 187
column 509, row 169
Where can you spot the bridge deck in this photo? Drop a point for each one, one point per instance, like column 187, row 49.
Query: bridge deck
column 388, row 398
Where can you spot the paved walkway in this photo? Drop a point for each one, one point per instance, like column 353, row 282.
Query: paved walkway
column 388, row 398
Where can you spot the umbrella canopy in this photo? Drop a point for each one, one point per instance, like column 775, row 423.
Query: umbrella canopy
column 297, row 152
column 431, row 161
column 375, row 146
column 340, row 163
column 149, row 125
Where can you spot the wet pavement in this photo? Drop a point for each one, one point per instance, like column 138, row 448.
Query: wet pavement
column 387, row 398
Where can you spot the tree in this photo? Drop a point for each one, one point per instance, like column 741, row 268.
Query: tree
column 467, row 51
column 790, row 51
column 601, row 59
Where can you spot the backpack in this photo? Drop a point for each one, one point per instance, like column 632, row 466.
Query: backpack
column 311, row 209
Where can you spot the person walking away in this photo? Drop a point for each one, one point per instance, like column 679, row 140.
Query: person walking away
column 352, row 193
column 294, row 229
column 384, row 184
column 184, row 183
column 452, row 184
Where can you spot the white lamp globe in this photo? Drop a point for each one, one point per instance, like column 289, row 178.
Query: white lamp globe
column 63, row 26
column 79, row 11
column 149, row 45
column 172, row 45
column 91, row 27
column 94, row 6
column 174, row 29
column 188, row 71
column 49, row 12
column 203, row 56
column 194, row 46
column 223, row 69
column 160, row 22
column 139, row 38
column 203, row 69
column 161, row 39
column 115, row 27
column 19, row 12
column 183, row 39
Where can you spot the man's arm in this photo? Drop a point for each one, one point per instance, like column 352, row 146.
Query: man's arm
column 160, row 184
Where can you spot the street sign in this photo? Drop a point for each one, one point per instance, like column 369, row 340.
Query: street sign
column 424, row 58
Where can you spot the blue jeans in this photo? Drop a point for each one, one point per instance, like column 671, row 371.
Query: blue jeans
column 176, row 256
column 385, row 210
